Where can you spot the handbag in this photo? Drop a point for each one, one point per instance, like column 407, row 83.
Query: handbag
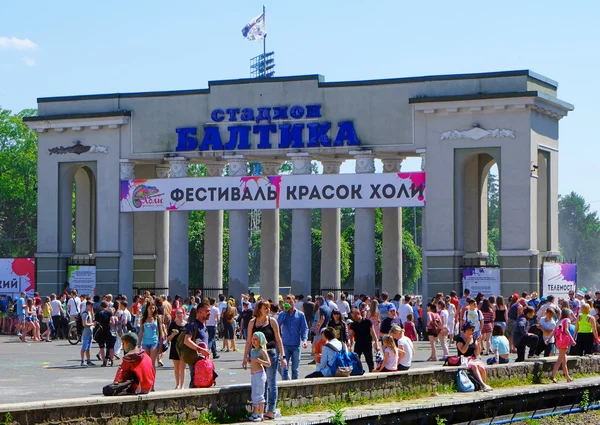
column 165, row 346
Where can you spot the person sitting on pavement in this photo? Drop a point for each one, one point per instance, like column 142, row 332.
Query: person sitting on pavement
column 406, row 349
column 328, row 355
column 522, row 338
column 136, row 375
column 468, row 346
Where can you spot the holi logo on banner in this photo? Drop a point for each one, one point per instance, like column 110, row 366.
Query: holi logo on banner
column 558, row 279
column 17, row 275
column 272, row 192
column 482, row 279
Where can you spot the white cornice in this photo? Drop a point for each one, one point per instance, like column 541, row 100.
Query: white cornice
column 78, row 124
column 545, row 106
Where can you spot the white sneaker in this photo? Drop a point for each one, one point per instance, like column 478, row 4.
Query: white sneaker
column 19, row 334
column 487, row 389
column 84, row 364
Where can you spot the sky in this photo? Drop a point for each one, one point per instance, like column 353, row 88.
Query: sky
column 63, row 48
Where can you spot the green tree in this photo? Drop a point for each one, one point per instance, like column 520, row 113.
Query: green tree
column 493, row 219
column 579, row 235
column 18, row 185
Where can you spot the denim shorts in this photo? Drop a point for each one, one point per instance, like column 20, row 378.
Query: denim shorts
column 147, row 347
column 476, row 334
column 86, row 342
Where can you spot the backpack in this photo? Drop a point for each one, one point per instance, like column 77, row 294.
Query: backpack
column 188, row 355
column 561, row 337
column 465, row 385
column 436, row 323
column 204, row 374
column 345, row 362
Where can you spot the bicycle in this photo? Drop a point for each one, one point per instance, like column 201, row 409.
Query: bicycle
column 74, row 336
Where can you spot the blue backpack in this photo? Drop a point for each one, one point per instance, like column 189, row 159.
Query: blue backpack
column 464, row 383
column 346, row 363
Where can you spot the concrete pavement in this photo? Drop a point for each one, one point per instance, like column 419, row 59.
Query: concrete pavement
column 51, row 370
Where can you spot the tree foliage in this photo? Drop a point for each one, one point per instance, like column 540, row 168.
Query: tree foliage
column 18, row 185
column 493, row 219
column 579, row 236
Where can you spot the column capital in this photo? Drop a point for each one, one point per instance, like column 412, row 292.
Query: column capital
column 332, row 166
column 163, row 171
column 214, row 169
column 422, row 152
column 270, row 168
column 300, row 163
column 127, row 169
column 392, row 165
column 238, row 166
column 179, row 167
column 365, row 162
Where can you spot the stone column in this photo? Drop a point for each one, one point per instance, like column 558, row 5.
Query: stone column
column 238, row 237
column 301, row 234
column 424, row 248
column 364, row 234
column 392, row 239
column 331, row 237
column 162, row 240
column 269, row 244
column 213, row 239
column 126, row 238
column 178, row 238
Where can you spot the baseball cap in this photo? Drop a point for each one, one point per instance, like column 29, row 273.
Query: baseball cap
column 391, row 307
column 579, row 294
column 543, row 299
column 515, row 296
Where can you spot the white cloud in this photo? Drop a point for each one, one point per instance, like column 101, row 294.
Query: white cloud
column 17, row 43
column 29, row 61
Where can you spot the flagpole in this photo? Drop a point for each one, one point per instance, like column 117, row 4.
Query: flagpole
column 264, row 45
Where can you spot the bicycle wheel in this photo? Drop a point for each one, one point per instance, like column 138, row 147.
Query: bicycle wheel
column 73, row 336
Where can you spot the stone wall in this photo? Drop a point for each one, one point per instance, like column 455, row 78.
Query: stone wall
column 234, row 400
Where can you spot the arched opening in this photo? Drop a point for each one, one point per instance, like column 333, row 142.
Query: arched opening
column 77, row 228
column 480, row 218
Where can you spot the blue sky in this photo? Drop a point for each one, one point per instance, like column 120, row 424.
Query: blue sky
column 74, row 47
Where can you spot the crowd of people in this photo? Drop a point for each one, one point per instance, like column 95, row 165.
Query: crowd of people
column 379, row 329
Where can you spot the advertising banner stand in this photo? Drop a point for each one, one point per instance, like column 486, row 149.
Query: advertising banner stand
column 83, row 279
column 558, row 279
column 481, row 279
column 17, row 275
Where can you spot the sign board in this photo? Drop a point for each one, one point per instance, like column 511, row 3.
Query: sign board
column 272, row 192
column 17, row 275
column 481, row 279
column 83, row 278
column 558, row 279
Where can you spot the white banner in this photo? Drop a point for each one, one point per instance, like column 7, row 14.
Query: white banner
column 17, row 275
column 482, row 279
column 272, row 192
column 83, row 278
column 558, row 279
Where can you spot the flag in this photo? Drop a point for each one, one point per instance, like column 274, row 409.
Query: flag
column 256, row 28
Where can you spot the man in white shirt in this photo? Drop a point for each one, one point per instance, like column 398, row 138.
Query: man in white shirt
column 299, row 303
column 406, row 344
column 222, row 304
column 343, row 306
column 57, row 313
column 548, row 304
column 211, row 327
column 331, row 301
column 74, row 305
column 405, row 309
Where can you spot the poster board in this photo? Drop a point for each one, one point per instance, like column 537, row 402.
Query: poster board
column 83, row 279
column 481, row 279
column 17, row 275
column 558, row 279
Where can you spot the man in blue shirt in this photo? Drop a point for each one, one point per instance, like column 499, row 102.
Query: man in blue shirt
column 21, row 306
column 294, row 332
